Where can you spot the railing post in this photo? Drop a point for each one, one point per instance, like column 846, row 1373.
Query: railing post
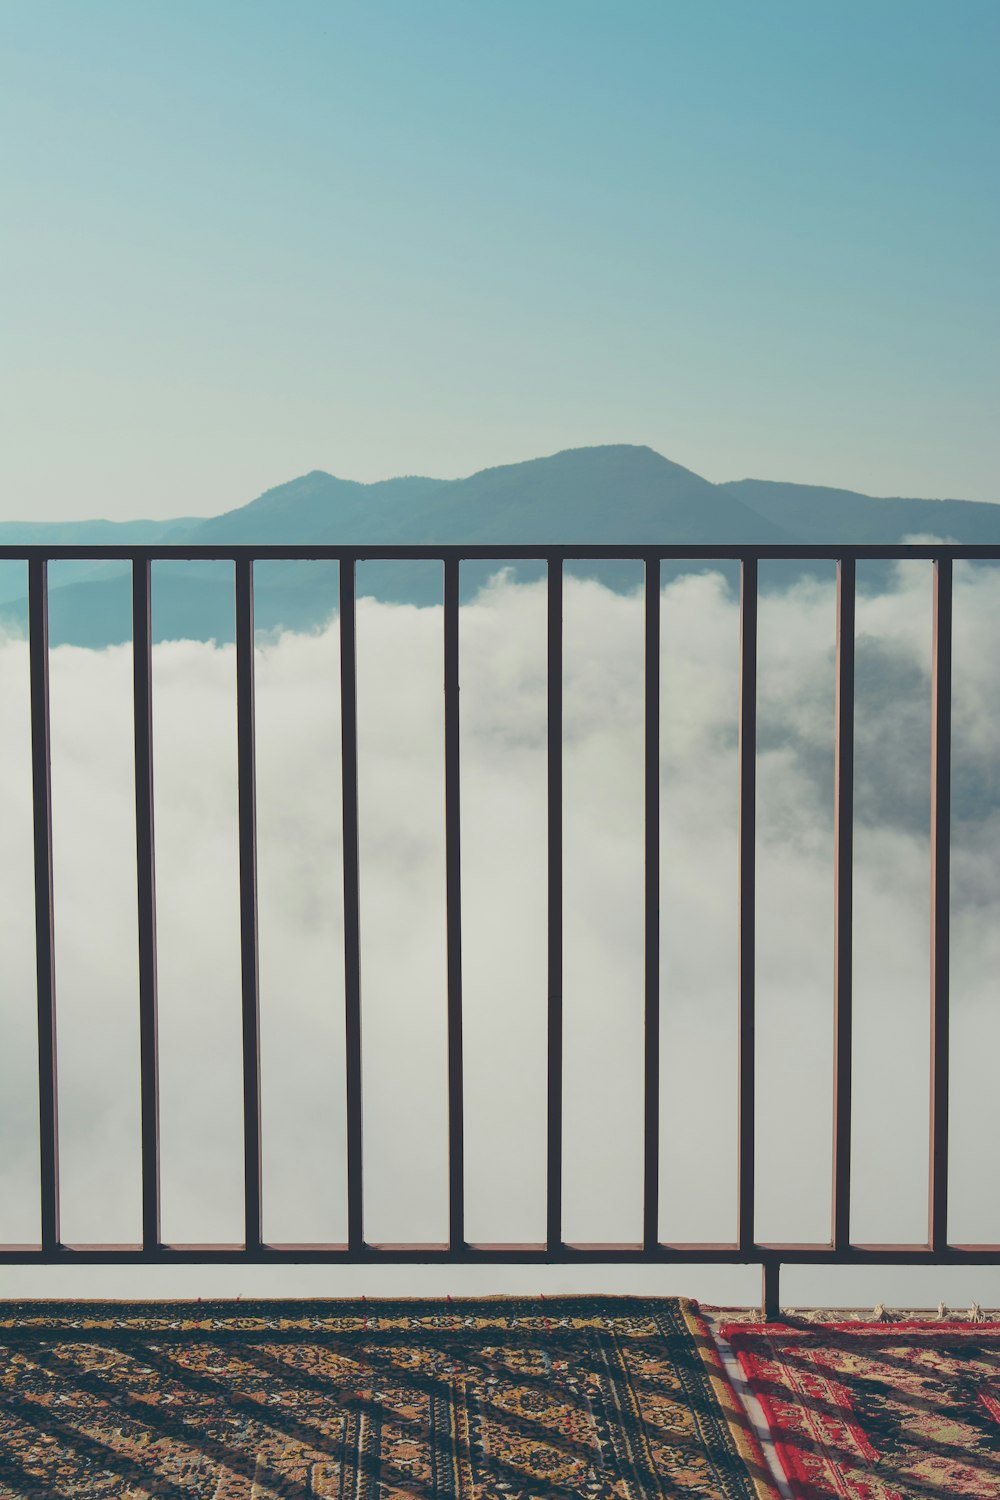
column 352, row 900
column 555, row 913
column 747, row 868
column 142, row 675
column 45, row 964
column 453, row 905
column 651, row 1081
column 940, row 901
column 247, row 783
column 843, row 874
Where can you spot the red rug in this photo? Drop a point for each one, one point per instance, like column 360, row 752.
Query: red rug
column 878, row 1411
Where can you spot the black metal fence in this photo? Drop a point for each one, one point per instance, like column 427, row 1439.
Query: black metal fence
column 747, row 1249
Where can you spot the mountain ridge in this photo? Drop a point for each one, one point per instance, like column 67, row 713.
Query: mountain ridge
column 609, row 493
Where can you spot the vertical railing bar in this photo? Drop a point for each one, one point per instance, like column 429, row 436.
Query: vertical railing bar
column 352, row 899
column 651, row 1165
column 555, row 907
column 142, row 679
column 747, row 899
column 41, row 775
column 843, row 896
column 940, row 901
column 246, row 763
column 453, row 909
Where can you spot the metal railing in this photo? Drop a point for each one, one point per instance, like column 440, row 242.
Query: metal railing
column 747, row 1249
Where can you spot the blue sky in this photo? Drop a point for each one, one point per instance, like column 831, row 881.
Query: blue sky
column 246, row 240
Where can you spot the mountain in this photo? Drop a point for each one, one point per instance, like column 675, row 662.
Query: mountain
column 618, row 493
column 608, row 494
column 816, row 514
column 309, row 508
column 79, row 533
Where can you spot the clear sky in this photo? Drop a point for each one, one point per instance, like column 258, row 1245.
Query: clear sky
column 244, row 240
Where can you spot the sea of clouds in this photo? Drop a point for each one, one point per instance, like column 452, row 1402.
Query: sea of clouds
column 503, row 726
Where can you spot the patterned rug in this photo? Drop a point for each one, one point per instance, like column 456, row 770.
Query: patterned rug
column 878, row 1411
column 605, row 1397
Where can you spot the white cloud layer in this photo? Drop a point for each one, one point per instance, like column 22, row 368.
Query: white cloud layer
column 504, row 897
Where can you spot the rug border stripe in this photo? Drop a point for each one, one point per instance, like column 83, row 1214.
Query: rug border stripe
column 736, row 1417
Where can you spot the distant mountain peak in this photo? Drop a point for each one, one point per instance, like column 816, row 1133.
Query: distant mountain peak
column 601, row 456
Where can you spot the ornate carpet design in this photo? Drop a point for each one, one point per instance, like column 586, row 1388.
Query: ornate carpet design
column 879, row 1411
column 603, row 1397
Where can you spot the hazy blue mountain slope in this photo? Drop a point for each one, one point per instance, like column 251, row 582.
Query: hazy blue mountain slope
column 316, row 507
column 185, row 607
column 610, row 494
column 618, row 493
column 13, row 575
column 817, row 514
column 79, row 533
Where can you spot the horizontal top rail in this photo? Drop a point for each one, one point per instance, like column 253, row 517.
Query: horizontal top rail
column 506, row 552
column 665, row 1252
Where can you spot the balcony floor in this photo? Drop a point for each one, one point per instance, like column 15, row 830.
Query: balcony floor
column 512, row 1397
